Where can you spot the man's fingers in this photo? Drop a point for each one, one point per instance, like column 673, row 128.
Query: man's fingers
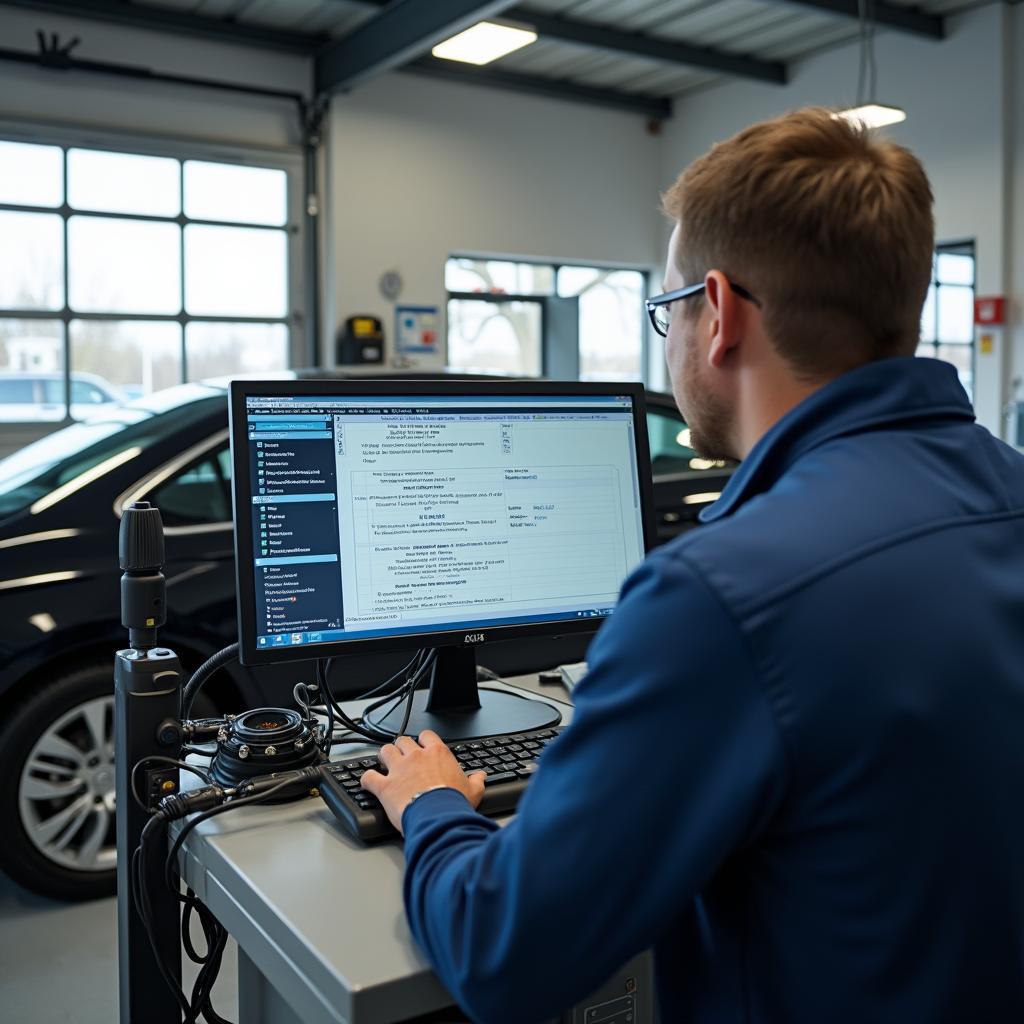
column 406, row 744
column 388, row 754
column 476, row 787
column 373, row 780
column 429, row 738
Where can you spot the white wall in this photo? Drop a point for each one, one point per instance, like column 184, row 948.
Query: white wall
column 419, row 169
column 957, row 115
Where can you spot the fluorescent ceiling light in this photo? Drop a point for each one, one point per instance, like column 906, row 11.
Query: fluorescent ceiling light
column 484, row 42
column 873, row 115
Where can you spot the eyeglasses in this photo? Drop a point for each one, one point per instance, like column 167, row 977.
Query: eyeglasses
column 659, row 307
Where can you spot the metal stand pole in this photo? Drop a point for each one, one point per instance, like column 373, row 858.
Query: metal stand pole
column 147, row 699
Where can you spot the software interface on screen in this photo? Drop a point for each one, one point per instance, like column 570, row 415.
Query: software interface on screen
column 392, row 515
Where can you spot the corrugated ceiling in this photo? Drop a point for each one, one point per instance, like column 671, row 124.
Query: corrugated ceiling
column 769, row 30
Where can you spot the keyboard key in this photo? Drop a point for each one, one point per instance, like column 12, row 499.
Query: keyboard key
column 500, row 777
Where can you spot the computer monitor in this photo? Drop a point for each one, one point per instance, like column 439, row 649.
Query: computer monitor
column 390, row 514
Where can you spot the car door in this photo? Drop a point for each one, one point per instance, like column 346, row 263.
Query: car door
column 193, row 494
column 684, row 482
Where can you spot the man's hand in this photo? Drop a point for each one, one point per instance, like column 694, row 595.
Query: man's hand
column 414, row 767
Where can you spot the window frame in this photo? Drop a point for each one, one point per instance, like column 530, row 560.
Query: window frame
column 646, row 347
column 70, row 137
column 961, row 247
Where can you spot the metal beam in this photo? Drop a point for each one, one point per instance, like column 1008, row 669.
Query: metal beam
column 636, row 44
column 220, row 30
column 905, row 19
column 401, row 32
column 551, row 88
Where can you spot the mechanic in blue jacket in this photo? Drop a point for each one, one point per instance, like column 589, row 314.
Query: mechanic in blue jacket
column 796, row 766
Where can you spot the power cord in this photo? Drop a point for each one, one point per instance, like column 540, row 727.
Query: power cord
column 201, row 674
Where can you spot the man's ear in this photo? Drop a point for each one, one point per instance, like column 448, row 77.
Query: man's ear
column 726, row 318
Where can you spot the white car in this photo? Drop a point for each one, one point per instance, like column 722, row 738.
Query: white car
column 27, row 396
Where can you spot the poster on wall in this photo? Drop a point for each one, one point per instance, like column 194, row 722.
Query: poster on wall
column 416, row 333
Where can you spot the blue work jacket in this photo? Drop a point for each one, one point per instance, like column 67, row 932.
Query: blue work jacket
column 796, row 766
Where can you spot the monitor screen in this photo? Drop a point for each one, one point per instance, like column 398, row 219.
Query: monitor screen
column 392, row 513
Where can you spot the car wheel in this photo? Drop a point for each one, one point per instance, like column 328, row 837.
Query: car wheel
column 57, row 790
column 58, row 785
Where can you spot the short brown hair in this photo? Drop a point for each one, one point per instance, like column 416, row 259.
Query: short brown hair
column 830, row 227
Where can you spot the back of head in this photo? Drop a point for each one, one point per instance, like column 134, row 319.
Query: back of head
column 830, row 227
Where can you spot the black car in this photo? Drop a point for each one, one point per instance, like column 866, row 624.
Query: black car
column 60, row 502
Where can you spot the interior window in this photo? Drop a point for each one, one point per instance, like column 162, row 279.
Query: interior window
column 198, row 494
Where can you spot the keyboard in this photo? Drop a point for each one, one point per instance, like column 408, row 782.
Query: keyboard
column 509, row 762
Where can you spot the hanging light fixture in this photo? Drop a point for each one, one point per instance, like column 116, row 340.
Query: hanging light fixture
column 868, row 111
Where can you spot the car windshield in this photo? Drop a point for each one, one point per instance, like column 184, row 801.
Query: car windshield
column 38, row 468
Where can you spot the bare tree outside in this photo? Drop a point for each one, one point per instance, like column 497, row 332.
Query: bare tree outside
column 506, row 336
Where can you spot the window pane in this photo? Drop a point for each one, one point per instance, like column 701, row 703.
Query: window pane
column 961, row 356
column 249, row 195
column 955, row 314
column 503, row 337
column 31, row 175
column 953, row 268
column 236, row 271
column 123, row 183
column 31, row 366
column 128, row 357
column 928, row 316
column 124, row 266
column 612, row 321
column 31, row 260
column 498, row 276
column 220, row 350
column 197, row 495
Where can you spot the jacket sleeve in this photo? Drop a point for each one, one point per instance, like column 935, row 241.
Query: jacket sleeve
column 673, row 760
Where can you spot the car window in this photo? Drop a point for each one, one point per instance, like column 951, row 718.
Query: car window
column 16, row 391
column 670, row 445
column 83, row 392
column 198, row 494
column 38, row 468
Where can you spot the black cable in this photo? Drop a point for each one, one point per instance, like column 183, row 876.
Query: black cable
column 321, row 679
column 214, row 933
column 201, row 674
column 212, row 813
column 428, row 660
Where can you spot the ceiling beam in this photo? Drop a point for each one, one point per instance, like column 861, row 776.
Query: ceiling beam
column 220, row 30
column 399, row 33
column 653, row 107
column 905, row 19
column 636, row 44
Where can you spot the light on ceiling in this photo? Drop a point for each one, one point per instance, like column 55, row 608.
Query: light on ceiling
column 484, row 42
column 873, row 115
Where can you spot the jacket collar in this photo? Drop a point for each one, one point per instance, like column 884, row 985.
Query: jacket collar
column 888, row 392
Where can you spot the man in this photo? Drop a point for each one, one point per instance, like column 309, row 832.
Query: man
column 796, row 766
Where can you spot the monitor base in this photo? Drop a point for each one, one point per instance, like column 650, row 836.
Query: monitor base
column 499, row 713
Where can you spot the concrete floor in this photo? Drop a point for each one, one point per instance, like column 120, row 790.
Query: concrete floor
column 58, row 961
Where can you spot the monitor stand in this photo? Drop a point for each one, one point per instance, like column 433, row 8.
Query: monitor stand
column 457, row 709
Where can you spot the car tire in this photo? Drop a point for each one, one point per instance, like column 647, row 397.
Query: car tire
column 57, row 793
column 76, row 708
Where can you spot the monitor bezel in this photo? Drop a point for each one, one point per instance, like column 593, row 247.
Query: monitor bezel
column 241, row 497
